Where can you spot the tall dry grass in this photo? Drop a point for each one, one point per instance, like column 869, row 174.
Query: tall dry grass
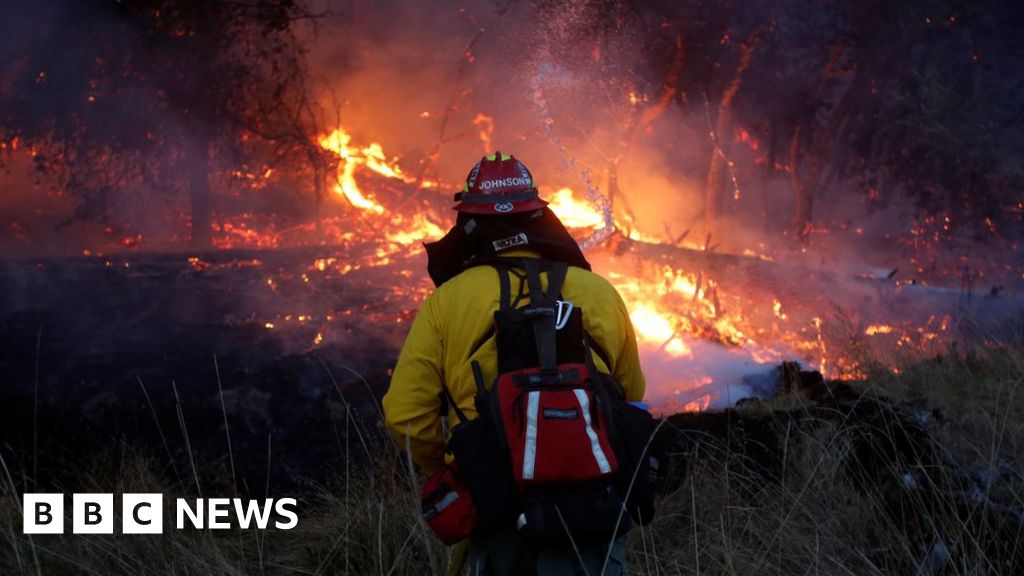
column 724, row 517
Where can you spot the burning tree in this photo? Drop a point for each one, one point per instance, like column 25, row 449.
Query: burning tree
column 115, row 99
column 900, row 101
column 180, row 97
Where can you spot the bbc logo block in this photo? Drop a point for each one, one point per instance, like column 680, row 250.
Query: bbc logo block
column 92, row 514
column 142, row 514
column 43, row 513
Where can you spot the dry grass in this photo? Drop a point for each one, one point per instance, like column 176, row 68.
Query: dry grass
column 723, row 519
column 819, row 520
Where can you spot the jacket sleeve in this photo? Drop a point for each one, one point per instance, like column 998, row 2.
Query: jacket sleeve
column 412, row 401
column 627, row 361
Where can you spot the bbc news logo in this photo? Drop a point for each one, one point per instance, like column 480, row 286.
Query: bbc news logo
column 144, row 513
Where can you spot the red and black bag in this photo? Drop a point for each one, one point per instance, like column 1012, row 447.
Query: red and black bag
column 554, row 419
column 552, row 412
column 555, row 446
column 480, row 474
column 447, row 506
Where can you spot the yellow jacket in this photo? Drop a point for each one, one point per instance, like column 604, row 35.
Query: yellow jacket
column 454, row 320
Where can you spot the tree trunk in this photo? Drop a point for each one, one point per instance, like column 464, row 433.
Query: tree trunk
column 720, row 141
column 318, row 186
column 767, row 172
column 803, row 188
column 715, row 186
column 320, row 166
column 812, row 177
column 198, row 168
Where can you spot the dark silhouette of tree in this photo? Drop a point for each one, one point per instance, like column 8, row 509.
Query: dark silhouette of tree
column 916, row 100
column 157, row 93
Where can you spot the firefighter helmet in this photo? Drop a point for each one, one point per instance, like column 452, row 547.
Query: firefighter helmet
column 498, row 184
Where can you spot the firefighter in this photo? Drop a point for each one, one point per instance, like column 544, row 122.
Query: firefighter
column 500, row 214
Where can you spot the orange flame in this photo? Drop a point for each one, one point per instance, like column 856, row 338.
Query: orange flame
column 351, row 158
column 672, row 308
column 575, row 213
column 879, row 329
column 485, row 125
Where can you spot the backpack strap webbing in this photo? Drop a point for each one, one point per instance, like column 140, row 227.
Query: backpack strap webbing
column 505, row 267
column 478, row 377
column 448, row 402
column 541, row 311
column 505, row 302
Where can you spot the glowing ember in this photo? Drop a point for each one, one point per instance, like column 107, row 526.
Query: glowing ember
column 321, row 264
column 698, row 405
column 879, row 329
column 777, row 309
column 485, row 125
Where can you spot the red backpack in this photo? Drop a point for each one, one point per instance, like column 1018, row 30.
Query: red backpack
column 555, row 446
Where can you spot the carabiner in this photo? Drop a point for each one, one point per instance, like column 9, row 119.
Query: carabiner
column 562, row 313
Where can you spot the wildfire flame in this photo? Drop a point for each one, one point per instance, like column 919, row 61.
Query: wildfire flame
column 573, row 212
column 684, row 320
column 879, row 329
column 407, row 230
column 671, row 309
column 371, row 156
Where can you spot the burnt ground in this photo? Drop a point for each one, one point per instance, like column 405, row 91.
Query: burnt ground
column 106, row 357
column 78, row 335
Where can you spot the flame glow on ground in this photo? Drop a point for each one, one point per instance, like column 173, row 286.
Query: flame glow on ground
column 699, row 348
column 665, row 336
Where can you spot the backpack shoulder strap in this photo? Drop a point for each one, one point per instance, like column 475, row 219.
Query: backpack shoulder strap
column 537, row 295
column 448, row 402
column 557, row 272
column 541, row 310
column 504, row 267
column 556, row 279
column 505, row 301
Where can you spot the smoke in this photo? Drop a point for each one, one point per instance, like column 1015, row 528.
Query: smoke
column 416, row 83
column 573, row 91
column 712, row 377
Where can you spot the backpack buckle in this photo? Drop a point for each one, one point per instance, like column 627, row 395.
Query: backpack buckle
column 562, row 313
column 531, row 312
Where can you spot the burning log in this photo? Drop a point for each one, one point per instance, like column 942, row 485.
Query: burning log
column 814, row 291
